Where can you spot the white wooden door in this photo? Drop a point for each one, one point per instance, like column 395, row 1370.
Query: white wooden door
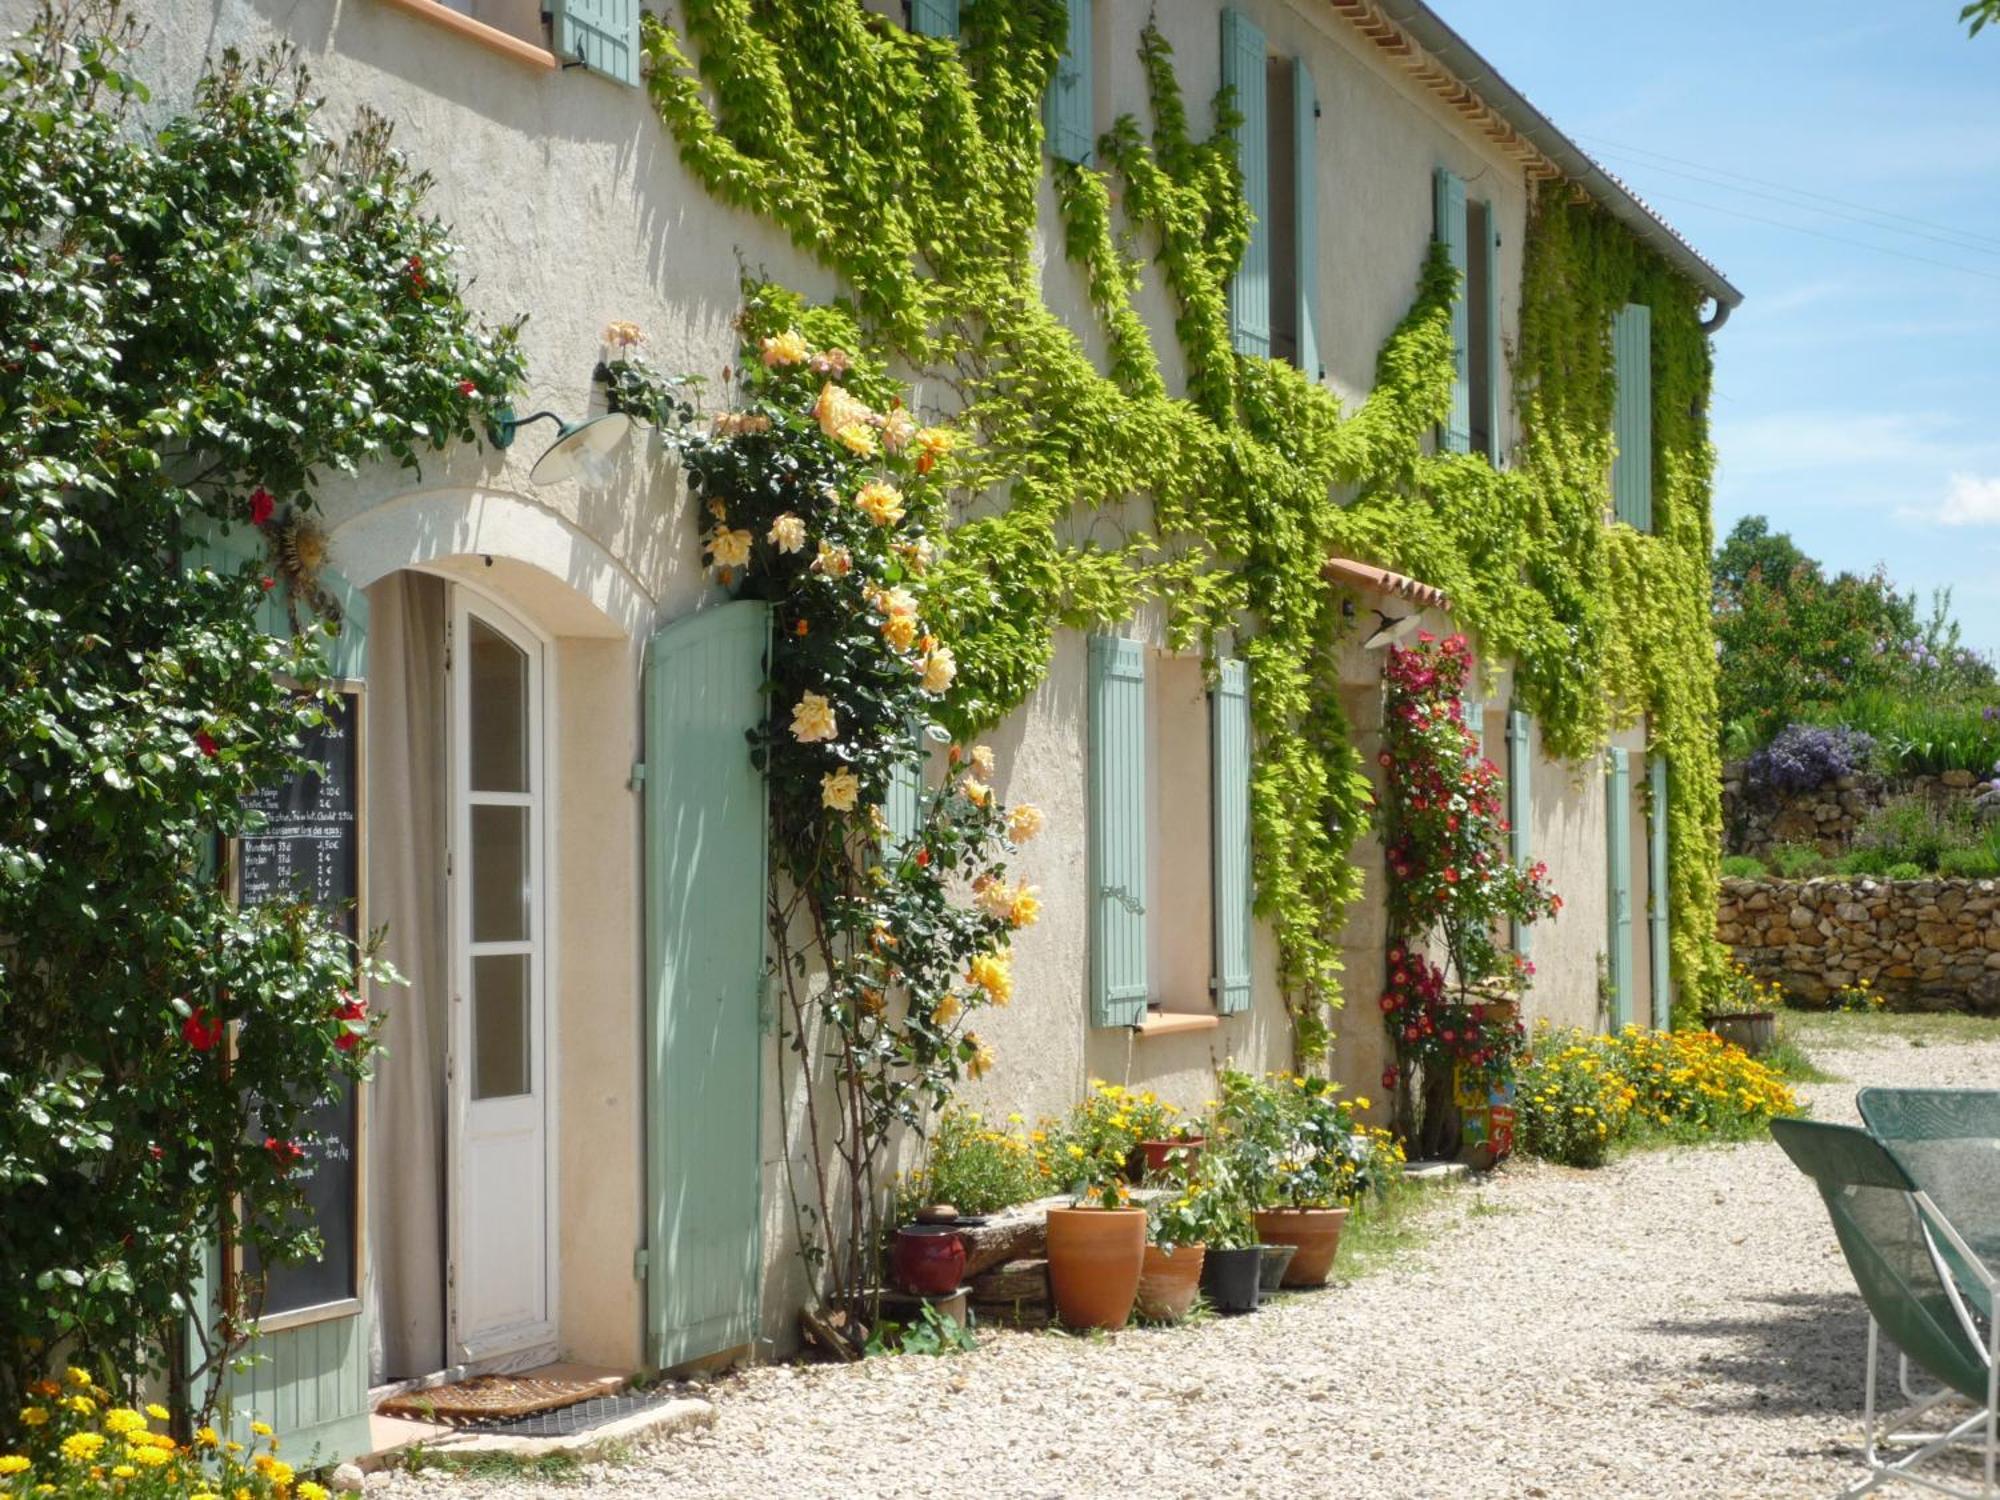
column 499, row 1278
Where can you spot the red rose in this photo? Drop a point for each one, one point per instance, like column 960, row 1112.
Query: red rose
column 1389, row 1078
column 261, row 506
column 267, row 583
column 207, row 742
column 351, row 1010
column 923, row 858
column 1388, row 1002
column 285, row 1153
column 467, row 388
column 201, row 1031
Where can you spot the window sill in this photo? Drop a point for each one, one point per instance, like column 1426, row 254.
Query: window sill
column 1173, row 1023
column 490, row 37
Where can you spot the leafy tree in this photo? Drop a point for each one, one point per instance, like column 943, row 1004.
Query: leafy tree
column 1978, row 14
column 194, row 322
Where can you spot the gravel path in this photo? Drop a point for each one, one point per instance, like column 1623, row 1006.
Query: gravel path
column 1677, row 1324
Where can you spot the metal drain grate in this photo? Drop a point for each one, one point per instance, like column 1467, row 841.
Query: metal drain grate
column 570, row 1420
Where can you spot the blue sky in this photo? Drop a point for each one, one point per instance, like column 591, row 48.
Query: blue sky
column 1857, row 392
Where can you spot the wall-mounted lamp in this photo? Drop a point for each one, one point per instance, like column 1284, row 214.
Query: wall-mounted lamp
column 582, row 451
column 1392, row 631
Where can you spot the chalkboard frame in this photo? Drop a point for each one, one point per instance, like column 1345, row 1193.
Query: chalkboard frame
column 344, row 1307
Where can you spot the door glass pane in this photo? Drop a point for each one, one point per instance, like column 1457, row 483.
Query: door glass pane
column 500, row 1041
column 498, row 686
column 501, row 871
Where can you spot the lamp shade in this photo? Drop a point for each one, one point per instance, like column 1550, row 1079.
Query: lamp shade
column 583, row 452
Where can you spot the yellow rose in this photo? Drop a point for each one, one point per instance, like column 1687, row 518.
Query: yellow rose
column 813, row 719
column 932, row 444
column 993, row 973
column 1024, row 822
column 787, row 348
column 1026, row 906
column 787, row 533
column 839, row 790
column 840, row 414
column 977, row 792
column 623, row 334
column 858, row 438
column 728, row 548
column 898, row 427
column 897, row 603
column 981, row 1061
column 939, row 668
column 982, row 759
column 835, row 562
column 946, row 1010
column 900, row 631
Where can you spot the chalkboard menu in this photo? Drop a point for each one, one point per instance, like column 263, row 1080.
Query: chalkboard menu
column 310, row 846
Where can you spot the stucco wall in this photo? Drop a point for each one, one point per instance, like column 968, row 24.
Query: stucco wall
column 572, row 207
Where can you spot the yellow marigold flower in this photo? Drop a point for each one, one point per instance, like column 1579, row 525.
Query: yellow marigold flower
column 812, row 719
column 1076, row 1152
column 83, row 1406
column 993, row 973
column 232, row 1446
column 204, row 1495
column 150, row 1458
column 206, row 1436
column 124, row 1419
column 881, row 503
column 787, row 533
column 1024, row 822
column 260, row 1429
column 839, row 790
column 307, row 1490
column 76, row 1376
column 787, row 348
column 939, row 668
column 124, row 1471
column 14, row 1463
column 157, row 1412
column 34, row 1416
column 82, row 1447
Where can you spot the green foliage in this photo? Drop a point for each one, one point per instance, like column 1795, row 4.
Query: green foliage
column 1743, row 867
column 931, row 1333
column 1928, row 731
column 1978, row 14
column 911, row 167
column 1211, row 1208
column 1290, row 1142
column 200, row 318
column 1792, row 861
column 1933, row 835
column 973, row 1167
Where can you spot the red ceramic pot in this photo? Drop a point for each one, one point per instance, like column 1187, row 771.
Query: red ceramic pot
column 929, row 1259
column 1157, row 1152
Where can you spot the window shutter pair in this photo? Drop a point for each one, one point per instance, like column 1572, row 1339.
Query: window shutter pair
column 1520, row 803
column 934, row 17
column 1448, row 202
column 1632, row 416
column 1118, row 833
column 1067, row 111
column 1250, row 310
column 603, row 35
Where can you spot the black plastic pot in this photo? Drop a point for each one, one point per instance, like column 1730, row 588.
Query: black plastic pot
column 1271, row 1270
column 1230, row 1278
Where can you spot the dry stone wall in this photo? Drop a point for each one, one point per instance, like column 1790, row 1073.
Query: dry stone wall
column 1827, row 816
column 1925, row 944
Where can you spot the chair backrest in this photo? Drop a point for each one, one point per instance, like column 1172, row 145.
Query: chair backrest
column 1948, row 1140
column 1881, row 1231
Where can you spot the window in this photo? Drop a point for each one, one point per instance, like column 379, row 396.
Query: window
column 600, row 35
column 1632, row 416
column 1169, row 887
column 1274, row 295
column 1068, row 111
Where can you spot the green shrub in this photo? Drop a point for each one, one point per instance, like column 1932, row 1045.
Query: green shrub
column 1916, row 830
column 1798, row 861
column 1926, row 735
column 1904, row 870
column 976, row 1168
column 1743, row 867
column 1982, row 862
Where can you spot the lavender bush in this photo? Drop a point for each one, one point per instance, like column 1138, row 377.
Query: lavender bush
column 1806, row 756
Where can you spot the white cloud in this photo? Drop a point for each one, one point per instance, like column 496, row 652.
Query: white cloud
column 1972, row 500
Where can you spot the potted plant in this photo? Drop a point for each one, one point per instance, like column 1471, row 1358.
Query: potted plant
column 1097, row 1245
column 1231, row 1267
column 1179, row 1226
column 1175, row 1142
column 1302, row 1160
column 1744, row 1011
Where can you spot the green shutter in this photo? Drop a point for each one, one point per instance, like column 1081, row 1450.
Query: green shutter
column 903, row 807
column 1520, row 804
column 1229, row 777
column 1117, row 831
column 1250, row 287
column 1448, row 203
column 1473, row 707
column 1656, row 890
column 603, row 35
column 1491, row 293
column 1067, row 110
column 1618, row 861
column 704, row 821
column 1632, row 416
column 1305, row 159
column 934, row 17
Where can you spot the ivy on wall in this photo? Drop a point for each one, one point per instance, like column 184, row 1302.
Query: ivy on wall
column 911, row 166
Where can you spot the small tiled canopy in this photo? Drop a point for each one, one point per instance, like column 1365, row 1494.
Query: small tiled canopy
column 1381, row 580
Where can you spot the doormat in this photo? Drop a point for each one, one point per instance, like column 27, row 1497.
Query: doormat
column 488, row 1398
column 570, row 1420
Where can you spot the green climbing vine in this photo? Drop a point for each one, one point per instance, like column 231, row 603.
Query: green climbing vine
column 911, row 167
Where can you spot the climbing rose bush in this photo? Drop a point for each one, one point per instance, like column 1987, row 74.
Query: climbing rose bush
column 199, row 319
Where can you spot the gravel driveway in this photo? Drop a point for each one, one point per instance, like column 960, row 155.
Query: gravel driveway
column 1677, row 1324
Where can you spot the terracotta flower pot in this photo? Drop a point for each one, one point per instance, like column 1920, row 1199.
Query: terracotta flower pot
column 1168, row 1282
column 1316, row 1233
column 929, row 1259
column 1095, row 1255
column 1157, row 1152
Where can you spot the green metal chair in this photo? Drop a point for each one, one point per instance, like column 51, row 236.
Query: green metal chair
column 1908, row 1262
column 1948, row 1140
